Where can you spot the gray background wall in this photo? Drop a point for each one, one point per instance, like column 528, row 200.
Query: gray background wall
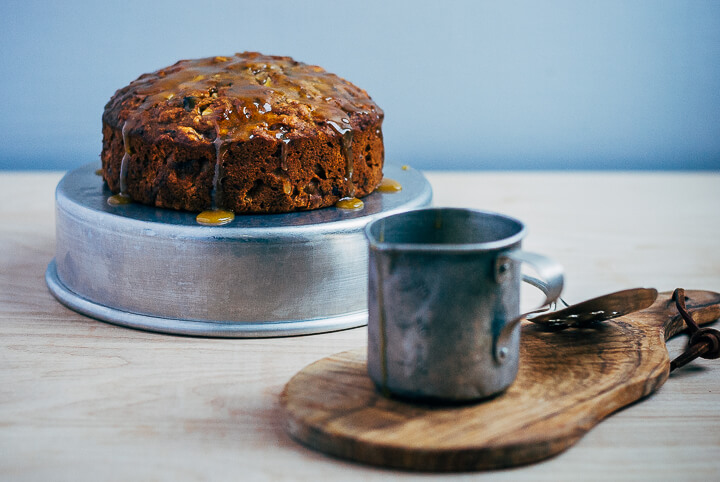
column 464, row 85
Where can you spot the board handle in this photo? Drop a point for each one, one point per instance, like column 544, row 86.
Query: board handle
column 703, row 306
column 550, row 282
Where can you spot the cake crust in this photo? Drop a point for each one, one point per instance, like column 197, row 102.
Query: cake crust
column 246, row 133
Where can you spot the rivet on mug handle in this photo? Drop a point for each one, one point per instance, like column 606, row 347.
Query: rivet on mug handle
column 547, row 269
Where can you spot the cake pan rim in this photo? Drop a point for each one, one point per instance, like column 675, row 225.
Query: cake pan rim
column 344, row 221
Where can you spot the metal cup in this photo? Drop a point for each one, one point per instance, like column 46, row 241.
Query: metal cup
column 444, row 302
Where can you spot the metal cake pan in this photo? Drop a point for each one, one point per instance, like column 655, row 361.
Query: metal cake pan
column 259, row 276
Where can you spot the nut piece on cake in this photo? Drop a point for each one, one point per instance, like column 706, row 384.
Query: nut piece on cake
column 248, row 133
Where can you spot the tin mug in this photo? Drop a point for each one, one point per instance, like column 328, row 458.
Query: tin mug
column 444, row 302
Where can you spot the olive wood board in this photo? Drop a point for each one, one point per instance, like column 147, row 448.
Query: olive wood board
column 568, row 382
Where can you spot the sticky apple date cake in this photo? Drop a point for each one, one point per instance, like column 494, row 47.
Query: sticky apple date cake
column 248, row 133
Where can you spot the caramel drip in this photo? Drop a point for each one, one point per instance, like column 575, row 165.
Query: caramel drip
column 349, row 165
column 389, row 186
column 215, row 217
column 283, row 155
column 123, row 174
column 346, row 137
column 350, row 203
column 216, row 194
column 124, row 161
column 122, row 197
column 284, row 141
column 98, row 172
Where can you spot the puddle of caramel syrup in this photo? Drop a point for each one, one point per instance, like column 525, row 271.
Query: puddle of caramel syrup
column 405, row 167
column 351, row 203
column 119, row 199
column 389, row 186
column 215, row 217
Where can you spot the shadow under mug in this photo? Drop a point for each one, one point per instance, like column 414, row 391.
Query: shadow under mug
column 444, row 302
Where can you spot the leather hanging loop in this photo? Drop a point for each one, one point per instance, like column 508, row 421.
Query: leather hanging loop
column 704, row 342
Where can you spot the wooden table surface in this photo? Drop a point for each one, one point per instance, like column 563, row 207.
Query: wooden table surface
column 85, row 400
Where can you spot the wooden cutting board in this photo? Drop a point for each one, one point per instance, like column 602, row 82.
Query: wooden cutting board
column 568, row 382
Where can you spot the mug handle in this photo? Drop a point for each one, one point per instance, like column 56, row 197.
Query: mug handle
column 550, row 282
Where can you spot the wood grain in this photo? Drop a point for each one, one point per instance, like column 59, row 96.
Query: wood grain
column 567, row 383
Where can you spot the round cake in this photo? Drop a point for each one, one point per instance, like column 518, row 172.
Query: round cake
column 245, row 133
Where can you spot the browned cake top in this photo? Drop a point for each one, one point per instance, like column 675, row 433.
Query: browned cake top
column 236, row 98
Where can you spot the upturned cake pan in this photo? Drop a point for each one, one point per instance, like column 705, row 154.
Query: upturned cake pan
column 259, row 276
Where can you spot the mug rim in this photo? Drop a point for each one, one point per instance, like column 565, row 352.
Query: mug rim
column 494, row 245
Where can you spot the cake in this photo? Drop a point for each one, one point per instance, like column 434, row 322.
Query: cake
column 248, row 133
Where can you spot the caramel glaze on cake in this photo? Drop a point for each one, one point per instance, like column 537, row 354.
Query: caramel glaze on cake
column 246, row 133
